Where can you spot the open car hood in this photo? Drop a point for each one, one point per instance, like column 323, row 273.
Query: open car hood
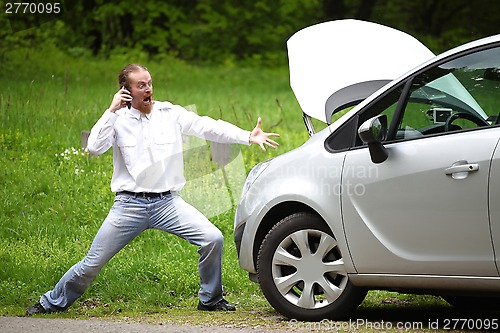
column 337, row 64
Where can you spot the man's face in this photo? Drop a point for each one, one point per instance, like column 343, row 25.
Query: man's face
column 141, row 89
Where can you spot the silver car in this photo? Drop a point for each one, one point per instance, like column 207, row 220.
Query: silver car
column 398, row 192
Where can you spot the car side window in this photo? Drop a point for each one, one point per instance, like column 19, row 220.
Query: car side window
column 387, row 105
column 457, row 95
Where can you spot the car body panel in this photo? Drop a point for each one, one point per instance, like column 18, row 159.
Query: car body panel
column 433, row 284
column 416, row 219
column 320, row 58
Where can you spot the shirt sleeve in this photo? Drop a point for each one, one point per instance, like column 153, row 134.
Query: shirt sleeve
column 211, row 129
column 101, row 135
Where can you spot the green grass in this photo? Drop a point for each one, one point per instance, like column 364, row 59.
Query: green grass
column 54, row 197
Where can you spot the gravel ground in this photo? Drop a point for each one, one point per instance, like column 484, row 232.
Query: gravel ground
column 429, row 320
column 50, row 325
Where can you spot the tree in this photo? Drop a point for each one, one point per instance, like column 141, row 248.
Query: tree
column 226, row 31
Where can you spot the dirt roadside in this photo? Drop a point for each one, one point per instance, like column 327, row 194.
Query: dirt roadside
column 51, row 325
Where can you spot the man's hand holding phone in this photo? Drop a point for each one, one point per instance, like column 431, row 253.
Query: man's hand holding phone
column 120, row 99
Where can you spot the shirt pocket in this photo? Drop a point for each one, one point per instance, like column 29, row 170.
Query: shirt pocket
column 127, row 146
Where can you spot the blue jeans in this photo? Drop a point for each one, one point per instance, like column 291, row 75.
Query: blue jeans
column 130, row 216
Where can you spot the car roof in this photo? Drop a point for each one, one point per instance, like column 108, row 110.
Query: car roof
column 337, row 64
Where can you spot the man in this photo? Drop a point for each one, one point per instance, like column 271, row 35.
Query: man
column 148, row 171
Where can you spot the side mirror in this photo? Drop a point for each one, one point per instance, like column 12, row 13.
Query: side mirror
column 373, row 132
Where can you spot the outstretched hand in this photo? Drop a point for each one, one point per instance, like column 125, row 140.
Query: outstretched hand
column 258, row 136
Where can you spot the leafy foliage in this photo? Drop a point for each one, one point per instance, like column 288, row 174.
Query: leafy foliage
column 225, row 31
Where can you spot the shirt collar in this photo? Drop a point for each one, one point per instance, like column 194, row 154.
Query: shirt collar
column 137, row 114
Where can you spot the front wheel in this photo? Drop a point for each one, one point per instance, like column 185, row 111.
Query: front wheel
column 301, row 271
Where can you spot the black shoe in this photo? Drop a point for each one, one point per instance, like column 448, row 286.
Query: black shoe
column 35, row 309
column 221, row 305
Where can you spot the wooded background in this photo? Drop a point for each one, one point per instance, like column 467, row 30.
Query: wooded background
column 225, row 31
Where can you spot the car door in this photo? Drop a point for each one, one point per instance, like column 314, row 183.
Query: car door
column 425, row 210
column 412, row 214
column 494, row 203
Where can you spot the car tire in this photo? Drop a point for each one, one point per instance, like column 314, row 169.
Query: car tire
column 301, row 271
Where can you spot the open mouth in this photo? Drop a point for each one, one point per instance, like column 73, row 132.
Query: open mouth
column 147, row 99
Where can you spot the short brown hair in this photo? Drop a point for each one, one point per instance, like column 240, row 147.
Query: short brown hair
column 123, row 80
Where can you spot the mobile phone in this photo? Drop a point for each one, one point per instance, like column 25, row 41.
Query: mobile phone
column 129, row 104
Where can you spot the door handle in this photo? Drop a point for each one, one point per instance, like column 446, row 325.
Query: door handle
column 461, row 169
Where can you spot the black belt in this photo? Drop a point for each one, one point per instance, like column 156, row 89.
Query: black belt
column 144, row 194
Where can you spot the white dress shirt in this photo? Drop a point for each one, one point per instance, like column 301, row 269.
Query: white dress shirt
column 147, row 148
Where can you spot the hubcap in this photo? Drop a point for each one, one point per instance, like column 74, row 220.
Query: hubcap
column 308, row 269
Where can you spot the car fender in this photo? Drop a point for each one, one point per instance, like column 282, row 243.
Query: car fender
column 293, row 195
